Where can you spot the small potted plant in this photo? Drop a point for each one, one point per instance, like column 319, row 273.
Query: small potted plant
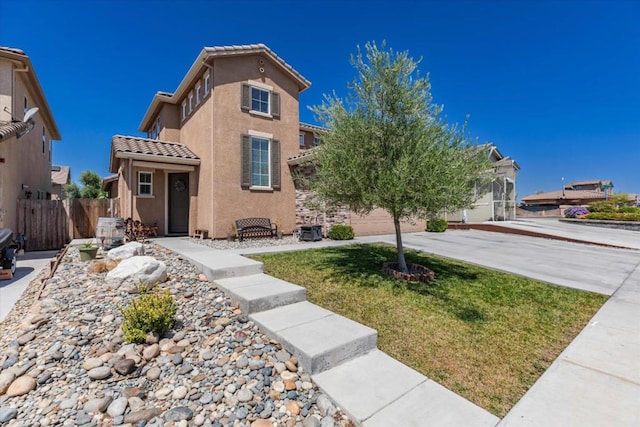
column 88, row 251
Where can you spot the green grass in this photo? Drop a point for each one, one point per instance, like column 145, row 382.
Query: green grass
column 484, row 334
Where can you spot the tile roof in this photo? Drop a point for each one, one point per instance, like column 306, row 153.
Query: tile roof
column 312, row 128
column 12, row 50
column 9, row 129
column 568, row 195
column 153, row 147
column 60, row 175
column 302, row 157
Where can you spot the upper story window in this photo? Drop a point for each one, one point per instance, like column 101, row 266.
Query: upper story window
column 184, row 110
column 207, row 83
column 260, row 100
column 26, row 104
column 301, row 140
column 157, row 131
column 145, row 183
column 44, row 138
column 198, row 93
column 190, row 101
column 317, row 141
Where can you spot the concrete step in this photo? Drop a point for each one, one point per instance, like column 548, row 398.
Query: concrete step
column 260, row 292
column 214, row 264
column 376, row 390
column 319, row 338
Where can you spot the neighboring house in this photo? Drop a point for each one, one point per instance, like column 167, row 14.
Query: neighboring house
column 110, row 186
column 214, row 146
column 25, row 145
column 60, row 176
column 575, row 193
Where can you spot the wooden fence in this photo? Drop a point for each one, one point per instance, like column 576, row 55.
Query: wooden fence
column 50, row 224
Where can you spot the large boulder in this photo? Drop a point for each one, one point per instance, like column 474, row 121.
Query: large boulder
column 126, row 251
column 138, row 269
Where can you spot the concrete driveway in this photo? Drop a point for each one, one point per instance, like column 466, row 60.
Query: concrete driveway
column 29, row 266
column 588, row 267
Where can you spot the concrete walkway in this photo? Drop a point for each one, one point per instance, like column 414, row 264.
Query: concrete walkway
column 28, row 267
column 371, row 387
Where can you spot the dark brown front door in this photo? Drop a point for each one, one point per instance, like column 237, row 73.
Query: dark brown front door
column 178, row 203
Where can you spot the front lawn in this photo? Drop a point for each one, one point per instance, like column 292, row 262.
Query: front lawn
column 484, row 334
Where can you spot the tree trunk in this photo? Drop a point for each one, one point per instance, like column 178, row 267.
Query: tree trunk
column 402, row 263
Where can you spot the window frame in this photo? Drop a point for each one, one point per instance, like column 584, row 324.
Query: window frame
column 44, row 139
column 141, row 183
column 198, row 93
column 268, row 101
column 268, row 161
column 301, row 139
column 207, row 83
column 190, row 102
column 184, row 110
column 316, row 141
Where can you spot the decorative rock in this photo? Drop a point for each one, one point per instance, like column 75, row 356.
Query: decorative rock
column 278, row 386
column 199, row 420
column 23, row 339
column 178, row 414
column 324, row 404
column 6, row 378
column 138, row 269
column 118, row 407
column 311, row 421
column 262, row 423
column 180, row 392
column 100, row 373
column 92, row 363
column 293, row 408
column 153, row 373
column 142, row 415
column 244, row 395
column 7, row 414
column 289, row 376
column 150, row 352
column 126, row 251
column 290, row 385
column 124, row 366
column 21, row 385
column 290, row 366
column 242, row 413
column 97, row 405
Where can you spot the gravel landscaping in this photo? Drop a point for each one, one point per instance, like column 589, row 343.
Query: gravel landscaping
column 63, row 360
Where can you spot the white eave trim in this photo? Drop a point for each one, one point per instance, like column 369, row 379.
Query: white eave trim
column 163, row 166
column 157, row 159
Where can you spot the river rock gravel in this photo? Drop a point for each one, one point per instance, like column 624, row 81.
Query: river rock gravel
column 63, row 359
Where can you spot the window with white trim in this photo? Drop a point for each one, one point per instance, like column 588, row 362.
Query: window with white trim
column 198, row 93
column 301, row 140
column 145, row 183
column 260, row 162
column 184, row 110
column 260, row 100
column 207, row 83
column 317, row 141
column 190, row 102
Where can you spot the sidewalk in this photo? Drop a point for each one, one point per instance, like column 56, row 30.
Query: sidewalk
column 29, row 266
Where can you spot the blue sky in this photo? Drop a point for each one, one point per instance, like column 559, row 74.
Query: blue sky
column 555, row 85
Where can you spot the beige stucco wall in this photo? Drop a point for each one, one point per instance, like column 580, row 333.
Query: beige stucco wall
column 24, row 161
column 169, row 123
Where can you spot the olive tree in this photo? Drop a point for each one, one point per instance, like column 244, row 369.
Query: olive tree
column 389, row 147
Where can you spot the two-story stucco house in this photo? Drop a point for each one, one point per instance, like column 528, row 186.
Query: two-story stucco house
column 25, row 144
column 216, row 148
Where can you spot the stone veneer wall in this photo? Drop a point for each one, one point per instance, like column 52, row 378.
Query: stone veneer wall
column 310, row 211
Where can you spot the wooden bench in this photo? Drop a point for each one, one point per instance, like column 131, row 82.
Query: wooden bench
column 255, row 227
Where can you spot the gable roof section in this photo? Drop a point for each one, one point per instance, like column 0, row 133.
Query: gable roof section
column 132, row 147
column 199, row 64
column 17, row 55
column 567, row 195
column 9, row 129
column 60, row 175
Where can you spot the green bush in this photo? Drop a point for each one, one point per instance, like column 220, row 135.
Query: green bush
column 340, row 232
column 152, row 311
column 628, row 209
column 437, row 225
column 612, row 216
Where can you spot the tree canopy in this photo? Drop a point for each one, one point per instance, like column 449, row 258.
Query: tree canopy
column 389, row 147
column 91, row 187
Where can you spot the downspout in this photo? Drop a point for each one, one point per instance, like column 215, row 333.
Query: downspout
column 213, row 211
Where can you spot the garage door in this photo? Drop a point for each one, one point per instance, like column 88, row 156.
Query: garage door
column 380, row 222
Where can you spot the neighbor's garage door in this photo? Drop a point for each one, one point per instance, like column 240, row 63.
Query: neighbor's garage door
column 380, row 222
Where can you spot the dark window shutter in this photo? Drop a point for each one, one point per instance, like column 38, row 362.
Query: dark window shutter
column 275, row 104
column 246, row 161
column 246, row 97
column 275, row 164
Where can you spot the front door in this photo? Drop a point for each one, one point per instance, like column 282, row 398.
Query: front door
column 178, row 203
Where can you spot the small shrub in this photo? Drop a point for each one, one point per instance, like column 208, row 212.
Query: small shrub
column 575, row 211
column 152, row 311
column 628, row 209
column 612, row 216
column 340, row 232
column 437, row 225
